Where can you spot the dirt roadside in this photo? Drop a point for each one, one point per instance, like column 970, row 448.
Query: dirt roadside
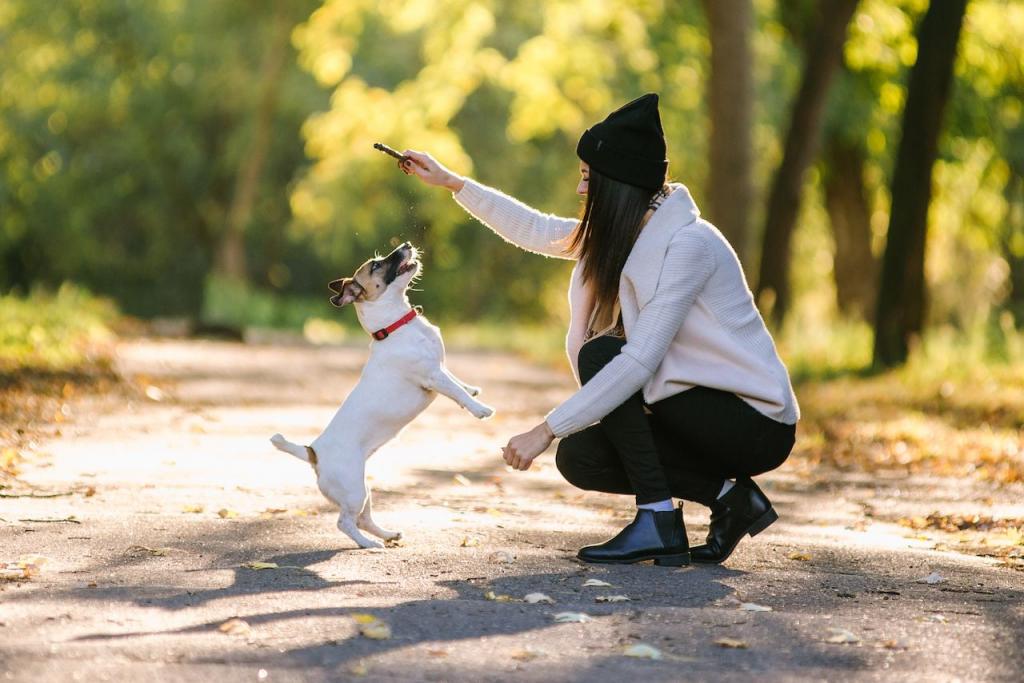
column 163, row 500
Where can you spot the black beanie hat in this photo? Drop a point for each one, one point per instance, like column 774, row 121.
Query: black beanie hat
column 629, row 145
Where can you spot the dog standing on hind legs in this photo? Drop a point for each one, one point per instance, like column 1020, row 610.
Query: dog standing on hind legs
column 403, row 375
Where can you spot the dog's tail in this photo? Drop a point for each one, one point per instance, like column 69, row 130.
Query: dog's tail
column 300, row 452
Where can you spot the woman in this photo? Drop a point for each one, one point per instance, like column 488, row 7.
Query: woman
column 682, row 392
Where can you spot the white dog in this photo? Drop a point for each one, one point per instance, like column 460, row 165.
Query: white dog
column 403, row 374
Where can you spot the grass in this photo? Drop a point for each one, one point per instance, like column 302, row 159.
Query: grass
column 64, row 331
column 53, row 345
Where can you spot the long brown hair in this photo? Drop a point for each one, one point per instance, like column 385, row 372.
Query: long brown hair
column 611, row 222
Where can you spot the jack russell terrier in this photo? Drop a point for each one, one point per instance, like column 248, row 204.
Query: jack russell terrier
column 403, row 374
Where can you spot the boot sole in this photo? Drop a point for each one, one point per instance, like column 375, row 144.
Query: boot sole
column 760, row 524
column 677, row 560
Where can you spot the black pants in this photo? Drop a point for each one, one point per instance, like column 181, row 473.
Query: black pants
column 686, row 448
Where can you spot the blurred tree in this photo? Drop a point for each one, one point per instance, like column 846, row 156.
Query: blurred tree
column 139, row 142
column 901, row 294
column 820, row 62
column 730, row 189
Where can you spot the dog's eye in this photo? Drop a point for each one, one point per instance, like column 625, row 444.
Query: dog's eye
column 374, row 266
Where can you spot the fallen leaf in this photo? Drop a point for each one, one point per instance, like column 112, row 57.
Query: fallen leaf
column 261, row 565
column 501, row 557
column 146, row 550
column 596, row 582
column 275, row 511
column 611, row 598
column 22, row 569
column 394, row 543
column 494, row 597
column 194, row 509
column 731, row 643
column 235, row 627
column 534, row 598
column 372, row 627
column 154, row 393
column 462, row 479
column 525, row 654
column 893, row 645
column 932, row 579
column 799, row 556
column 469, row 542
column 438, row 653
column 940, row 618
column 841, row 636
column 754, row 607
column 225, row 513
column 643, row 651
column 358, row 669
column 571, row 618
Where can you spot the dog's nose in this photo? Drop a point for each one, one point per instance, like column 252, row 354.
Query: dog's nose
column 406, row 245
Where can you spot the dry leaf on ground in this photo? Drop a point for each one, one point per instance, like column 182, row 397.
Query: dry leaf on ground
column 235, row 627
column 596, row 582
column 494, row 597
column 22, row 569
column 261, row 565
column 501, row 557
column 932, row 579
column 643, row 651
column 468, row 542
column 841, row 636
column 372, row 627
column 611, row 598
column 194, row 509
column 146, row 550
column 799, row 556
column 731, row 643
column 754, row 607
column 534, row 598
column 526, row 654
column 462, row 479
column 571, row 618
column 225, row 513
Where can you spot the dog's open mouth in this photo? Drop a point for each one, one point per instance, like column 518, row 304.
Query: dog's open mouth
column 411, row 264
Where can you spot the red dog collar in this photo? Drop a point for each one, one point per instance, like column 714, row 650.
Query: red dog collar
column 385, row 332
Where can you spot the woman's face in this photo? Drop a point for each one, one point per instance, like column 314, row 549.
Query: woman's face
column 581, row 189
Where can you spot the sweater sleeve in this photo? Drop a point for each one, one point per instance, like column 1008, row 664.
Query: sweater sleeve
column 687, row 267
column 516, row 222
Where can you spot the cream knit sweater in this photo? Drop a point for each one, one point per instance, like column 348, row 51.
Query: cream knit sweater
column 687, row 311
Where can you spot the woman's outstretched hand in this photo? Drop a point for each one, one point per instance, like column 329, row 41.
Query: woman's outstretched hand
column 523, row 449
column 429, row 170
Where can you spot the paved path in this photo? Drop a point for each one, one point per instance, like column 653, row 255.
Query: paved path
column 139, row 587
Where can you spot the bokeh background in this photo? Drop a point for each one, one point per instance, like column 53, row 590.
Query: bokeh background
column 212, row 161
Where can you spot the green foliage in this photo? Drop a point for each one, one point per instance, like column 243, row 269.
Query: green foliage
column 125, row 127
column 53, row 331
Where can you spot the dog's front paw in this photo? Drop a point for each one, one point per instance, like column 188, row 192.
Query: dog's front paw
column 481, row 411
column 369, row 543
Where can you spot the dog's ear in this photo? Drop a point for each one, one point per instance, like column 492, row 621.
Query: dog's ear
column 347, row 290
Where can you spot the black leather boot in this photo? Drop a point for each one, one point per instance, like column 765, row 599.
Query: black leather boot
column 658, row 536
column 743, row 510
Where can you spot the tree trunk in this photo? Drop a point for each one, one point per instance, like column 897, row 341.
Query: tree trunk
column 730, row 103
column 849, row 213
column 822, row 58
column 1012, row 243
column 901, row 304
column 230, row 258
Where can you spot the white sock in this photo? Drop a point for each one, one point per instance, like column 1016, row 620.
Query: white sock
column 728, row 484
column 658, row 506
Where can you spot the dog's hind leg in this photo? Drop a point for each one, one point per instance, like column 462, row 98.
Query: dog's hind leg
column 365, row 521
column 351, row 497
column 443, row 382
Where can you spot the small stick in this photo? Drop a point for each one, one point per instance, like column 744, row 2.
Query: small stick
column 390, row 152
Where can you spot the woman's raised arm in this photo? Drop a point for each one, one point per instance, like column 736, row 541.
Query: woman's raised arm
column 516, row 222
